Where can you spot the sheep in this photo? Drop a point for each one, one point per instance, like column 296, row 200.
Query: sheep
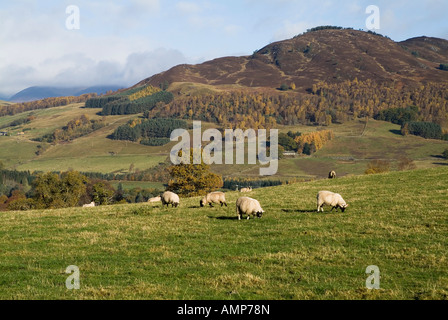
column 246, row 189
column 332, row 175
column 155, row 199
column 168, row 198
column 330, row 199
column 89, row 205
column 249, row 206
column 214, row 197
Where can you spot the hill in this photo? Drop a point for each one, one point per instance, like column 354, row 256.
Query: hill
column 5, row 103
column 330, row 55
column 146, row 252
column 38, row 93
column 355, row 144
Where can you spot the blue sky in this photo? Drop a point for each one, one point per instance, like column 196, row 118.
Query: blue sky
column 123, row 42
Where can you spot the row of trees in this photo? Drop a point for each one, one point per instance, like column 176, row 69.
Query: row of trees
column 68, row 189
column 399, row 115
column 43, row 104
column 149, row 132
column 427, row 130
column 133, row 101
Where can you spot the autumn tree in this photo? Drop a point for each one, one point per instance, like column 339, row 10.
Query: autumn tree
column 193, row 179
column 51, row 191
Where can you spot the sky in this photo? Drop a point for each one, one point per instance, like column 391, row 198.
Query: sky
column 46, row 43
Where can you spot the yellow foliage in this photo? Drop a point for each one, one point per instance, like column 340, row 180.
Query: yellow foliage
column 148, row 91
column 319, row 138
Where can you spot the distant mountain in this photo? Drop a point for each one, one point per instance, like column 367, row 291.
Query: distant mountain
column 37, row 93
column 330, row 55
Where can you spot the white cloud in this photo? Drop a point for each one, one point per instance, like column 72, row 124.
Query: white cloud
column 188, row 7
column 290, row 29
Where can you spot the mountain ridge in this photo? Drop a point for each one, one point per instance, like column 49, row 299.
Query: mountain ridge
column 331, row 55
column 41, row 92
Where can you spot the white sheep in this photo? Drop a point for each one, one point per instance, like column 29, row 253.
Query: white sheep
column 89, row 205
column 330, row 199
column 249, row 206
column 155, row 199
column 246, row 189
column 168, row 198
column 214, row 197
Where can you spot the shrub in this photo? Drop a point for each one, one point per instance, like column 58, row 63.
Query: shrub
column 377, row 166
column 404, row 163
column 445, row 154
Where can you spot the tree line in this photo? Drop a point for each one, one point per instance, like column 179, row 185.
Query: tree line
column 133, row 101
column 148, row 132
column 43, row 104
column 53, row 190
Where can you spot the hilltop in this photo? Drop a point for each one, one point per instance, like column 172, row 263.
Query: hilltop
column 330, row 55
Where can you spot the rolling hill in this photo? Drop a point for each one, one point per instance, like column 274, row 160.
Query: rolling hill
column 330, row 55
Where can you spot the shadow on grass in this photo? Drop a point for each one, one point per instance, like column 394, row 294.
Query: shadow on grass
column 223, row 218
column 441, row 163
column 394, row 131
column 437, row 156
column 298, row 211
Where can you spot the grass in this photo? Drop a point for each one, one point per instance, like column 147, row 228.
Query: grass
column 397, row 221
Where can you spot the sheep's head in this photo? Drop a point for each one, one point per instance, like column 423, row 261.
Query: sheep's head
column 260, row 214
column 343, row 207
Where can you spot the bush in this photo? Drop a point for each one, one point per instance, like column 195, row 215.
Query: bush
column 377, row 166
column 445, row 154
column 444, row 66
column 404, row 163
column 22, row 204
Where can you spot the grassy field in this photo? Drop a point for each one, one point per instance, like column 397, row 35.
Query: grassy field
column 396, row 221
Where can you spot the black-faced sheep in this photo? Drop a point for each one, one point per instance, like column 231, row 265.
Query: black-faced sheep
column 332, row 175
column 249, row 206
column 168, row 198
column 214, row 197
column 330, row 199
column 249, row 189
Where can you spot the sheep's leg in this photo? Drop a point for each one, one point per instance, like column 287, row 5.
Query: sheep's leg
column 210, row 204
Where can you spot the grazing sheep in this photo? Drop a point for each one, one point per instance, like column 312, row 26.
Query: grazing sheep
column 246, row 189
column 155, row 199
column 214, row 197
column 330, row 199
column 168, row 198
column 89, row 205
column 249, row 206
column 332, row 175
